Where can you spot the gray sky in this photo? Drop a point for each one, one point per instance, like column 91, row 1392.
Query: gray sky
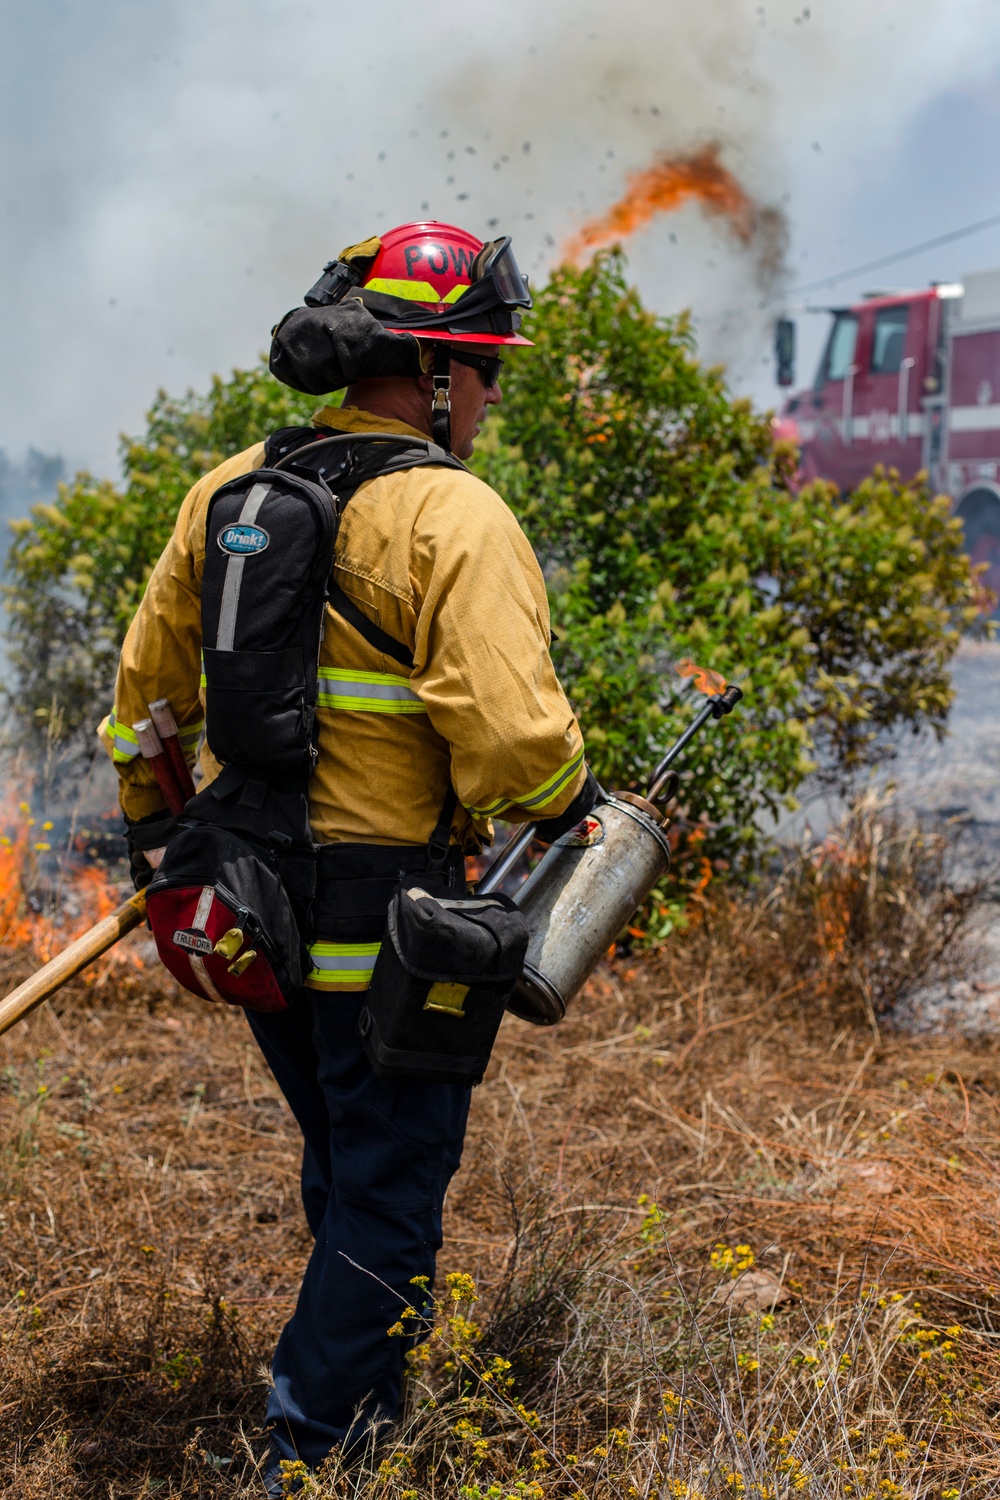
column 174, row 173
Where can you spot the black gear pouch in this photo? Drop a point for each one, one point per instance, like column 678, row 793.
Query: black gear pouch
column 447, row 967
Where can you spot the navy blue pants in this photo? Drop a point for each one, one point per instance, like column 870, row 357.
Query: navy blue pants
column 377, row 1159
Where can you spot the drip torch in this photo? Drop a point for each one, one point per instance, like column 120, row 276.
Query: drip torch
column 591, row 881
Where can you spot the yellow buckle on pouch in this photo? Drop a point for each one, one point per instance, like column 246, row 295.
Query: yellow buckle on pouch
column 230, row 943
column 447, row 998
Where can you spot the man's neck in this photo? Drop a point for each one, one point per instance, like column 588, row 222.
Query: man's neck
column 399, row 399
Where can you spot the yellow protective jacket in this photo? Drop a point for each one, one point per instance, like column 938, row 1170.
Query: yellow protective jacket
column 436, row 559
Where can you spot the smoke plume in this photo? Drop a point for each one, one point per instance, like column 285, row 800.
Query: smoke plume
column 175, row 174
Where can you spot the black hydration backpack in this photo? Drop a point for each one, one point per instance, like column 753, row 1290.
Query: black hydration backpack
column 269, row 550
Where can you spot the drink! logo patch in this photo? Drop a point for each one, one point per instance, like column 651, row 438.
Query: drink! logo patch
column 243, row 541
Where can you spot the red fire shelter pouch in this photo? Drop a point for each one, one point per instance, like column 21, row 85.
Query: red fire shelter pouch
column 222, row 921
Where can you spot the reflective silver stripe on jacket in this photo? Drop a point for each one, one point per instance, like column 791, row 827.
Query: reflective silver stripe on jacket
column 371, row 692
column 341, row 964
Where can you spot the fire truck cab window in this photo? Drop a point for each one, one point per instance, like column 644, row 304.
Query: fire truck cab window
column 840, row 349
column 889, row 340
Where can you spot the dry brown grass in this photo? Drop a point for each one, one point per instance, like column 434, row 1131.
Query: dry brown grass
column 732, row 1092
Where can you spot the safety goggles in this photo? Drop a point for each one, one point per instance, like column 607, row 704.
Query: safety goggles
column 488, row 365
column 495, row 264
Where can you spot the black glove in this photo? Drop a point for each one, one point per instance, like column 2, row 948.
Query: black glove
column 586, row 799
column 152, row 832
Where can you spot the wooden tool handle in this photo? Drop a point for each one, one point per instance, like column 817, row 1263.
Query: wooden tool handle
column 152, row 751
column 165, row 724
column 179, row 766
column 20, row 1002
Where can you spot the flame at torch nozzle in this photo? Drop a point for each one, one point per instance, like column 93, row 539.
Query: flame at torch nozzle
column 704, row 679
column 667, row 185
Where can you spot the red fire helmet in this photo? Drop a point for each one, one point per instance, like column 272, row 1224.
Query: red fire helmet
column 430, row 268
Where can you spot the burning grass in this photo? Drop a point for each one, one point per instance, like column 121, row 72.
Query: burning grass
column 49, row 896
column 719, row 1234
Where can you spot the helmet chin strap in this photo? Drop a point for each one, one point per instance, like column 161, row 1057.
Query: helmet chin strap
column 441, row 401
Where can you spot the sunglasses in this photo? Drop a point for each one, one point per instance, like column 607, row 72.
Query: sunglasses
column 488, row 365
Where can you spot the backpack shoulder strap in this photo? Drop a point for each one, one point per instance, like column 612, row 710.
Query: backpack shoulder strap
column 286, row 440
column 370, row 461
column 345, row 467
column 440, row 839
column 372, row 633
column 346, row 460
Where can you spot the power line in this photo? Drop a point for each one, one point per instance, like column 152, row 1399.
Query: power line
column 888, row 260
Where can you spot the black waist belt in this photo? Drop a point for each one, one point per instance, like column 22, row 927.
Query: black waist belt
column 355, row 883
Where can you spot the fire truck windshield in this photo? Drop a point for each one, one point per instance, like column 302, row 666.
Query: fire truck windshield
column 889, row 340
column 839, row 354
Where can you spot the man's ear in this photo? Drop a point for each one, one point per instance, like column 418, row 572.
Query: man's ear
column 425, row 378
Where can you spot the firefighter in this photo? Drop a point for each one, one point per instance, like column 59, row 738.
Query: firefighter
column 434, row 559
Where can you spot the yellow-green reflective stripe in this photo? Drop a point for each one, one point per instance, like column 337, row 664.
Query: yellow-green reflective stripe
column 549, row 790
column 126, row 745
column 348, row 674
column 342, row 963
column 412, row 291
column 188, row 736
column 494, row 809
column 540, row 797
column 342, row 950
column 371, row 692
column 366, row 706
column 124, row 731
column 349, row 976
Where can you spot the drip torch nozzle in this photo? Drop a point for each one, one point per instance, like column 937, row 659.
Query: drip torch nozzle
column 724, row 703
column 717, row 707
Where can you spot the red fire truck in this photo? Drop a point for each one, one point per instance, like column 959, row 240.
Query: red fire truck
column 910, row 380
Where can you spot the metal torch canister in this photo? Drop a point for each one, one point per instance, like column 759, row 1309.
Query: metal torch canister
column 583, row 892
column 592, row 881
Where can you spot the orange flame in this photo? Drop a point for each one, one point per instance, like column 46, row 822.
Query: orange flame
column 87, row 895
column 663, row 187
column 705, row 680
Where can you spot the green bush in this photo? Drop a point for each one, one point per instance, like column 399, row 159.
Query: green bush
column 667, row 527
